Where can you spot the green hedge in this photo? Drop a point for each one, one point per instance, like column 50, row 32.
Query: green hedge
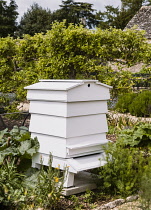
column 138, row 104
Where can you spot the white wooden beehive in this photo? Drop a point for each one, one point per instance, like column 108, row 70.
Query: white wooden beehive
column 69, row 119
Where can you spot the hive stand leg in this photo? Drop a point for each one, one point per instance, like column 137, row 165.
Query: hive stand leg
column 69, row 179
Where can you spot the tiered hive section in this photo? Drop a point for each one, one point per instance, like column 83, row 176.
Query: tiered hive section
column 69, row 119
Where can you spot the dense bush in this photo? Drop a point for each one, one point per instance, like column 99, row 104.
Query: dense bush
column 141, row 105
column 122, row 173
column 124, row 101
column 126, row 161
column 138, row 104
column 76, row 53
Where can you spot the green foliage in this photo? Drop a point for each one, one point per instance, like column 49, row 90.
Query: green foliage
column 111, row 17
column 77, row 53
column 76, row 13
column 46, row 189
column 17, row 144
column 35, row 189
column 35, row 20
column 145, row 70
column 8, row 16
column 138, row 136
column 4, row 101
column 122, row 173
column 83, row 201
column 138, row 104
column 11, row 185
column 141, row 105
column 145, row 188
column 124, row 101
column 7, row 64
column 76, row 204
column 120, row 81
column 127, row 161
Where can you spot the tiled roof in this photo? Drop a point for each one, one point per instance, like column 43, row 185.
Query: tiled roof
column 142, row 20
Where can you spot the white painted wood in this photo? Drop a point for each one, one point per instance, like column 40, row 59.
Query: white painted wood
column 46, row 95
column 85, row 125
column 87, row 162
column 88, row 93
column 84, row 151
column 74, row 165
column 61, row 84
column 51, row 144
column 62, row 163
column 69, row 179
column 87, row 139
column 54, row 85
column 50, row 125
column 77, row 91
column 80, row 146
column 68, row 127
column 71, row 142
column 86, row 108
column 53, row 108
column 66, row 148
column 68, row 109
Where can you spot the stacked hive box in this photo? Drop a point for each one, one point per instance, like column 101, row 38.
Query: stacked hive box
column 69, row 119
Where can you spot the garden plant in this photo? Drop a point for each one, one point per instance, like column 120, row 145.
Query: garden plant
column 77, row 53
column 22, row 187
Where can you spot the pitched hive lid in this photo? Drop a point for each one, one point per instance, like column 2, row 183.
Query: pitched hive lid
column 61, row 84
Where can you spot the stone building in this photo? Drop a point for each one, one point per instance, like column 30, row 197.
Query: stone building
column 142, row 19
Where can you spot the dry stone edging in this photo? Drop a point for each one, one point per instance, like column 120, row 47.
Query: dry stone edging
column 117, row 202
column 117, row 115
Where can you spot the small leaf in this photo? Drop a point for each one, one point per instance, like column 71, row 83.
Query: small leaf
column 25, row 145
column 3, row 132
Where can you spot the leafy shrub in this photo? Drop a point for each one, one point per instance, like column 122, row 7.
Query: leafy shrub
column 45, row 187
column 18, row 144
column 137, row 104
column 145, row 70
column 126, row 161
column 120, row 81
column 4, row 101
column 141, row 105
column 11, row 185
column 124, row 102
column 145, row 188
column 138, row 136
column 123, row 170
column 34, row 189
column 77, row 53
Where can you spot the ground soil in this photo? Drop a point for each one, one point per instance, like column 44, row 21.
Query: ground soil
column 10, row 123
